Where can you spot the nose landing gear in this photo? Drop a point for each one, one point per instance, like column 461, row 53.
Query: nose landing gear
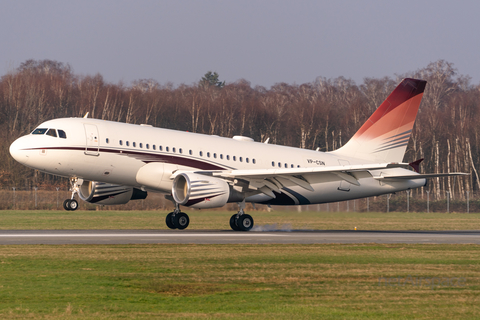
column 72, row 204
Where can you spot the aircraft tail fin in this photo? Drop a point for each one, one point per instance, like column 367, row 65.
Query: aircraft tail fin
column 385, row 135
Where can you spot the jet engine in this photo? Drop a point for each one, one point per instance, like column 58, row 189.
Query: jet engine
column 108, row 194
column 200, row 191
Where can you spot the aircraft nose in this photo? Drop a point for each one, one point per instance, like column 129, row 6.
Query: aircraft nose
column 18, row 152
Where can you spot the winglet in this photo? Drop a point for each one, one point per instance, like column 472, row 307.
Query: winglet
column 384, row 136
column 416, row 165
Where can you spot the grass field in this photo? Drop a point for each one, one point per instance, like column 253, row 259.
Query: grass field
column 48, row 219
column 240, row 281
column 328, row 281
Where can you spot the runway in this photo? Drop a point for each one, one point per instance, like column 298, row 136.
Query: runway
column 62, row 237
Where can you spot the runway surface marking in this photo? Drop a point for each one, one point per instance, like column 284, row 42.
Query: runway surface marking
column 59, row 237
column 76, row 235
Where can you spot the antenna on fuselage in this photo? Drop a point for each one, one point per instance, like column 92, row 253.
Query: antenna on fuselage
column 86, row 115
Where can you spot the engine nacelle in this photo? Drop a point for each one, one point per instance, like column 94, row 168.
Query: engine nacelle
column 108, row 194
column 200, row 191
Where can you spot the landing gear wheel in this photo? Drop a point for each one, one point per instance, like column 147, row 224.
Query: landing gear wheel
column 73, row 205
column 181, row 220
column 233, row 223
column 66, row 205
column 245, row 222
column 169, row 221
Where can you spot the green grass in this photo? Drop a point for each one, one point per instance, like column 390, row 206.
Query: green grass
column 237, row 281
column 329, row 281
column 206, row 219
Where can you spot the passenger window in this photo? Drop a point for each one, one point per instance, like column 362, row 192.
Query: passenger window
column 241, row 159
column 279, row 165
column 153, row 147
column 127, row 143
column 273, row 163
column 253, row 161
column 190, row 152
column 180, row 150
column 286, row 165
column 106, row 140
column 160, row 148
column 147, row 146
column 39, row 131
column 221, row 156
column 228, row 157
column 52, row 133
column 234, row 158
column 246, row 160
column 173, row 149
column 134, row 144
column 201, row 153
column 166, row 149
column 141, row 145
column 215, row 155
column 120, row 142
column 63, row 135
column 208, row 154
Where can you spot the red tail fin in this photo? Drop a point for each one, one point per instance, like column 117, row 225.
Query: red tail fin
column 384, row 137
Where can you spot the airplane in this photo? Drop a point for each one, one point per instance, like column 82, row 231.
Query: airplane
column 112, row 163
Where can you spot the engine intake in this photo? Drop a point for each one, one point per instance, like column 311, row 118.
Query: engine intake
column 200, row 191
column 108, row 194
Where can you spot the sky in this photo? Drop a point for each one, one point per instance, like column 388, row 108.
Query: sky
column 263, row 42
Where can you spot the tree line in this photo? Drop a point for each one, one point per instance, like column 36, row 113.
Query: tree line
column 321, row 114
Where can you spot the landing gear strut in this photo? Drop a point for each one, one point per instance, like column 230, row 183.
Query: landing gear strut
column 177, row 219
column 72, row 204
column 241, row 221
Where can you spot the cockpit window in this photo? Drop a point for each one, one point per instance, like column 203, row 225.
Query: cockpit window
column 62, row 134
column 52, row 132
column 39, row 131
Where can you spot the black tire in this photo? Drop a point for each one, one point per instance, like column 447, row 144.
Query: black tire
column 181, row 220
column 245, row 222
column 233, row 223
column 66, row 205
column 169, row 221
column 73, row 204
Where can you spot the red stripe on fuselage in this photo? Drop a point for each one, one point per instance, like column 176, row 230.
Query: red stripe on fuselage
column 148, row 157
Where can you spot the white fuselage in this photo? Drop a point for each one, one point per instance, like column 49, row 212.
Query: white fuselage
column 113, row 152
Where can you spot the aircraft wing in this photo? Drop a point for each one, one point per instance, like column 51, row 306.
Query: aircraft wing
column 268, row 180
column 421, row 176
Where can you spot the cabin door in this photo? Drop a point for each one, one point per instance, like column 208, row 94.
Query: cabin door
column 93, row 140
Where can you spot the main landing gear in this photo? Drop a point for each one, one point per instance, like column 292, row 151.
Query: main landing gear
column 177, row 219
column 241, row 221
column 72, row 204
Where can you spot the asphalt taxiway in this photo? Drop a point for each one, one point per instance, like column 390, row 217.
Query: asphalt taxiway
column 61, row 237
